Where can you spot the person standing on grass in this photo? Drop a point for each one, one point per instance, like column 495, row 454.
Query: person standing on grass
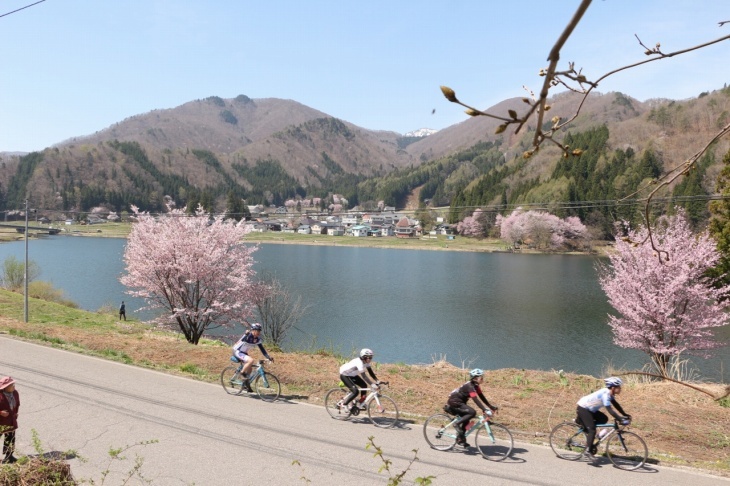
column 122, row 312
column 9, row 405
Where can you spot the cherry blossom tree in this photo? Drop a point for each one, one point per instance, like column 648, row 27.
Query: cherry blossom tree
column 542, row 229
column 666, row 305
column 472, row 225
column 195, row 268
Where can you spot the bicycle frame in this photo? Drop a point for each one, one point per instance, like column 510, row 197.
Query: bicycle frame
column 481, row 422
column 258, row 371
column 624, row 448
column 615, row 429
column 372, row 395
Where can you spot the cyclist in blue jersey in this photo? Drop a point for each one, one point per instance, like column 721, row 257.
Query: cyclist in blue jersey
column 456, row 404
column 589, row 411
column 250, row 339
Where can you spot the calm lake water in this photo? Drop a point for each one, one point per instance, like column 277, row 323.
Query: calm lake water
column 491, row 310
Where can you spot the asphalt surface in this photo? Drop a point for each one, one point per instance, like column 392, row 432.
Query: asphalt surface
column 81, row 407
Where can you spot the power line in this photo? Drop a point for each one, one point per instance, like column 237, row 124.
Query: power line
column 22, row 8
column 537, row 206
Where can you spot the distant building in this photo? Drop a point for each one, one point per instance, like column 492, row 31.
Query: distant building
column 403, row 229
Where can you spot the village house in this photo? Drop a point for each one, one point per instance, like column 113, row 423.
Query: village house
column 388, row 230
column 350, row 219
column 360, row 230
column 403, row 229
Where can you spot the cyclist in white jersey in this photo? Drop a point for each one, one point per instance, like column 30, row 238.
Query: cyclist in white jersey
column 250, row 339
column 589, row 413
column 354, row 377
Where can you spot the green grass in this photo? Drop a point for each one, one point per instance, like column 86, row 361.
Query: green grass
column 718, row 440
column 37, row 336
column 438, row 243
column 115, row 355
column 193, row 370
column 42, row 312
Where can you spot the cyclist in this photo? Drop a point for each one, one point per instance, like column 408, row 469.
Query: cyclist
column 252, row 337
column 354, row 377
column 456, row 404
column 589, row 414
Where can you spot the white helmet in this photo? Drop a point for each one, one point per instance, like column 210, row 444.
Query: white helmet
column 613, row 382
column 366, row 353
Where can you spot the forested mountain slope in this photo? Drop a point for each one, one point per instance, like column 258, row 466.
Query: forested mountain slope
column 266, row 151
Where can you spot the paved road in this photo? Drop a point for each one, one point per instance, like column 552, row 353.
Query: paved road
column 88, row 405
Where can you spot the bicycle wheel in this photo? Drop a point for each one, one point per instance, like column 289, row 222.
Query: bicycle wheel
column 384, row 415
column 333, row 397
column 496, row 443
column 231, row 386
column 439, row 432
column 627, row 450
column 568, row 441
column 267, row 386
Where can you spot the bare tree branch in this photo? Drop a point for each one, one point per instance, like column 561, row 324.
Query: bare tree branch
column 575, row 81
column 718, row 398
column 278, row 310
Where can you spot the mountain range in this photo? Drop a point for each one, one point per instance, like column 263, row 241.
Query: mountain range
column 271, row 150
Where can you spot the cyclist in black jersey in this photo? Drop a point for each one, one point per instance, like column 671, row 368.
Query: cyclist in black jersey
column 456, row 404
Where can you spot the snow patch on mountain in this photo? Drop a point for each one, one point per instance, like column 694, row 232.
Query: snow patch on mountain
column 421, row 132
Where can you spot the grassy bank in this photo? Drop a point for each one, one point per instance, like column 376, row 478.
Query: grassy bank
column 440, row 242
column 681, row 426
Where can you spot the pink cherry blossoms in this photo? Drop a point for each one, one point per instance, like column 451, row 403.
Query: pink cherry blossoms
column 665, row 307
column 472, row 225
column 541, row 229
column 197, row 269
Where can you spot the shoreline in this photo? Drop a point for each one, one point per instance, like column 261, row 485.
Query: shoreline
column 437, row 243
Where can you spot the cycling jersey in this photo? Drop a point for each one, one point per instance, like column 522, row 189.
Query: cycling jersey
column 596, row 400
column 350, row 375
column 355, row 367
column 459, row 396
column 247, row 342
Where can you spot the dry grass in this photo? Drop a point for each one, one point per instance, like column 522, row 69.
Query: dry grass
column 37, row 471
column 681, row 426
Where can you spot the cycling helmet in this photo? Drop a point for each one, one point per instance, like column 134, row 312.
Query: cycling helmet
column 366, row 353
column 256, row 326
column 613, row 382
column 476, row 372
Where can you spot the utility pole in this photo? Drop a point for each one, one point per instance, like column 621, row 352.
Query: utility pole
column 25, row 293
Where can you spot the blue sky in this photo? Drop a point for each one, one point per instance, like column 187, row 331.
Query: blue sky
column 73, row 67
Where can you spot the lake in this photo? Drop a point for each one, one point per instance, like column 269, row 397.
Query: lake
column 488, row 310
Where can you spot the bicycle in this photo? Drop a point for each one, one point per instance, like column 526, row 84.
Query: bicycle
column 265, row 384
column 495, row 443
column 382, row 410
column 625, row 449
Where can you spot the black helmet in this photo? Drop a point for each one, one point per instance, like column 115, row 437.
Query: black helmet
column 256, row 326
